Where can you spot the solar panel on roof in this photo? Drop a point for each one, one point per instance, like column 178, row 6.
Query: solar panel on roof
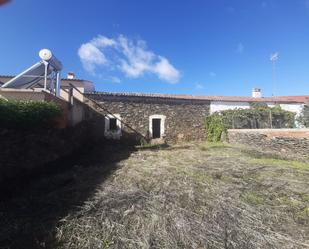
column 27, row 78
column 48, row 68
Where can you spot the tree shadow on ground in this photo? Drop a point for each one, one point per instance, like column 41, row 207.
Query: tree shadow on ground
column 32, row 206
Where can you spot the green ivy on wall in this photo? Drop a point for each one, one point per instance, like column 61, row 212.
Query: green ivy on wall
column 27, row 114
column 258, row 116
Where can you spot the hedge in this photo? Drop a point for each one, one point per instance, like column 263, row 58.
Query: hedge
column 258, row 116
column 28, row 114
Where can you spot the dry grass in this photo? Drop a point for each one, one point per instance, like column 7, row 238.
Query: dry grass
column 189, row 196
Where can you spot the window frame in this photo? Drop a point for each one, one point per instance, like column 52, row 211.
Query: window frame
column 114, row 133
column 162, row 125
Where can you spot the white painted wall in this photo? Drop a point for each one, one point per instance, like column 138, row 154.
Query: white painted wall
column 216, row 106
column 297, row 108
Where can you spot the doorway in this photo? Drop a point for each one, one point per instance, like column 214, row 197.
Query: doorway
column 156, row 128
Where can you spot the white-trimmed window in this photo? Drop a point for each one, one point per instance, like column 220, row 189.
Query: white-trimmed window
column 112, row 126
column 157, row 126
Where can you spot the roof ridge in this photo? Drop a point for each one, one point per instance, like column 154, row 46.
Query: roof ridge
column 283, row 99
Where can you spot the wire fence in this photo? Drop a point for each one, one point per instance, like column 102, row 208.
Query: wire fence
column 267, row 120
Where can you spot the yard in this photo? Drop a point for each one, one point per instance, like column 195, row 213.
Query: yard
column 193, row 195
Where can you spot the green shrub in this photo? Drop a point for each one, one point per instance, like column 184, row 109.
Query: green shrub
column 256, row 117
column 215, row 127
column 27, row 114
column 304, row 117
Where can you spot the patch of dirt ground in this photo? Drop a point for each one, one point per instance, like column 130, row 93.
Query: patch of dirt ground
column 194, row 195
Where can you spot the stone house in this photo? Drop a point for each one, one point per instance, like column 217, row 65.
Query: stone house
column 127, row 115
column 153, row 116
column 136, row 116
column 173, row 117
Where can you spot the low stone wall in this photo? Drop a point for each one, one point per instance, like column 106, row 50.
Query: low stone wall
column 292, row 143
column 25, row 151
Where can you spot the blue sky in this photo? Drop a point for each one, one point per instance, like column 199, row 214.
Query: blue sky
column 199, row 47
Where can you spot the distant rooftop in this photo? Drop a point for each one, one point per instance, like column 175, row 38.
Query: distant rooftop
column 90, row 90
column 88, row 85
column 279, row 99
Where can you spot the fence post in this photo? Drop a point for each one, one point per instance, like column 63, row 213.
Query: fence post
column 270, row 119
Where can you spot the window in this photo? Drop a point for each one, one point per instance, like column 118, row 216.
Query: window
column 112, row 124
column 112, row 129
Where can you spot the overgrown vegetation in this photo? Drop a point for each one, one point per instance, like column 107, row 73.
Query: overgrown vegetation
column 304, row 117
column 215, row 127
column 183, row 196
column 27, row 114
column 258, row 116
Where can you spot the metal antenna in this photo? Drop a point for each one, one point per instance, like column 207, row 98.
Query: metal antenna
column 274, row 58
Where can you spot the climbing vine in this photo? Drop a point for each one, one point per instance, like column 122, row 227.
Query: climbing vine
column 215, row 127
column 258, row 116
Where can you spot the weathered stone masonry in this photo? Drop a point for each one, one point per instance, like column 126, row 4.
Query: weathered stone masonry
column 184, row 119
column 286, row 142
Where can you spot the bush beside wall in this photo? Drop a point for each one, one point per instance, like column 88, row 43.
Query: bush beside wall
column 28, row 114
column 259, row 116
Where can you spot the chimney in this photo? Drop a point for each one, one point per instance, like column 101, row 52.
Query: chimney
column 71, row 76
column 256, row 93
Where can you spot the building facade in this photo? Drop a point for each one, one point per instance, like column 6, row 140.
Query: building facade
column 135, row 116
column 173, row 118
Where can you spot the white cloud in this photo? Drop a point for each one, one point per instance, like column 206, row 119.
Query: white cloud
column 91, row 56
column 240, row 48
column 102, row 42
column 130, row 57
column 166, row 71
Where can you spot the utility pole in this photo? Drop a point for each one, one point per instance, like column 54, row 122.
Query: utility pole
column 274, row 58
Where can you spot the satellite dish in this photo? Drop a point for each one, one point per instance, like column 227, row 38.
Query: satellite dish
column 45, row 54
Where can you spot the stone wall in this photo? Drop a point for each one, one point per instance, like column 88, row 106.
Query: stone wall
column 185, row 119
column 293, row 143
